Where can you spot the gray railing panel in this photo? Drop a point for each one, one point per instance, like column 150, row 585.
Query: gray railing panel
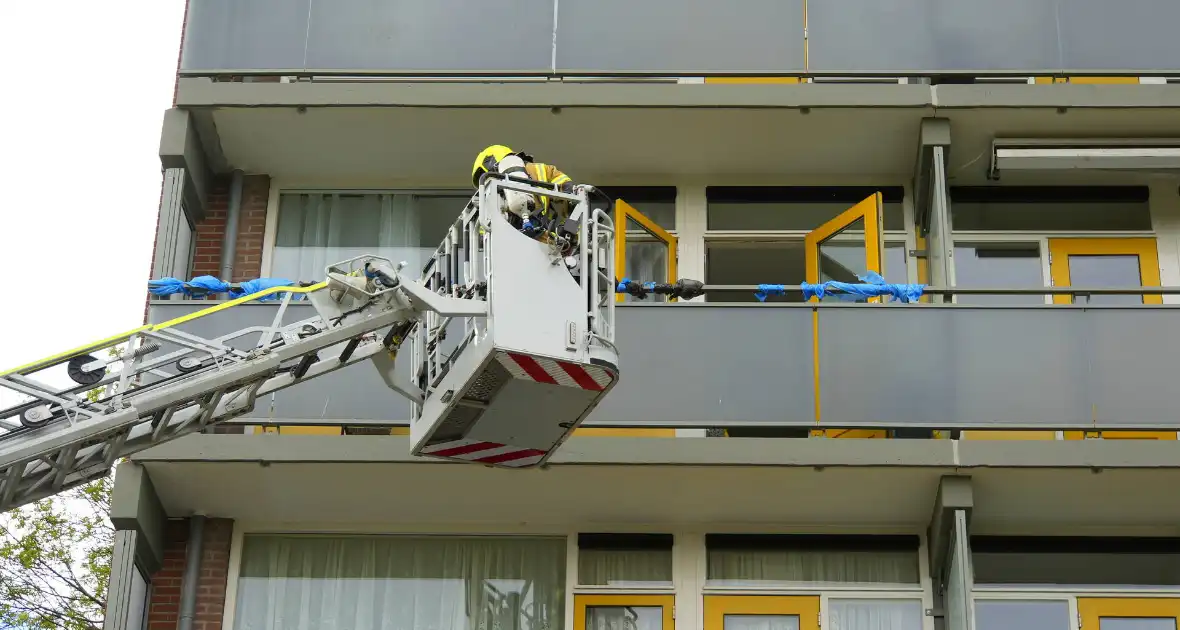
column 680, row 36
column 431, row 35
column 915, row 365
column 244, row 34
column 1134, row 352
column 691, row 364
column 1129, row 34
column 931, row 35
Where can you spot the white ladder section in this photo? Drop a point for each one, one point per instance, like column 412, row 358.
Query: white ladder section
column 172, row 383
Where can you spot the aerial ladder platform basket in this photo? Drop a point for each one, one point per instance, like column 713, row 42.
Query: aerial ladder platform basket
column 510, row 341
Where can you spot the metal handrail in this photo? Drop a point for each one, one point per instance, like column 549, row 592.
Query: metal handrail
column 943, row 290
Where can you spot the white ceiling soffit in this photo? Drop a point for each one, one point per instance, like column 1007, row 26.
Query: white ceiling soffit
column 1160, row 155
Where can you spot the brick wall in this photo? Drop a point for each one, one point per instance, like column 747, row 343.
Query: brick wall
column 251, row 227
column 164, row 610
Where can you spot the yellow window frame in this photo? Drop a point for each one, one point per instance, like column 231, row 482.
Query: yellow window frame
column 806, row 607
column 625, row 211
column 1060, row 249
column 871, row 209
column 1091, row 610
column 582, row 602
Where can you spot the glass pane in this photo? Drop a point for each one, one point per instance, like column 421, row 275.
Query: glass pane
column 895, row 263
column 647, row 259
column 1098, row 569
column 875, row 614
column 1021, row 615
column 1103, row 272
column 1000, row 265
column 782, row 262
column 1136, row 623
column 315, row 230
column 615, row 567
column 758, row 216
column 731, row 567
column 1048, row 217
column 379, row 582
column 842, row 256
column 624, row 618
column 761, row 622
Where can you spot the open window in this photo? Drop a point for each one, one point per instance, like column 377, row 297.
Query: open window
column 847, row 246
column 644, row 252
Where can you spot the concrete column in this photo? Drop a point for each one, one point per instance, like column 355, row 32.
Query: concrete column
column 1165, row 220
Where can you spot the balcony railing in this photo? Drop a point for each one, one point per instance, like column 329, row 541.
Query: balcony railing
column 829, row 365
column 682, row 37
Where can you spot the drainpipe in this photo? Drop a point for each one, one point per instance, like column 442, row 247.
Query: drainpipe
column 192, row 572
column 229, row 243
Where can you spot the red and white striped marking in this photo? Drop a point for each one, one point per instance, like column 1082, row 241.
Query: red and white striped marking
column 486, row 453
column 543, row 370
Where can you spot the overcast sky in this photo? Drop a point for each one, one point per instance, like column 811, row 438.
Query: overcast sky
column 85, row 86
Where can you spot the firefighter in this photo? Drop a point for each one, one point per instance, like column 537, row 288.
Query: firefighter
column 524, row 208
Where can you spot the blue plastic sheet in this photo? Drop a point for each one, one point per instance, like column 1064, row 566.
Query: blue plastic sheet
column 203, row 285
column 873, row 285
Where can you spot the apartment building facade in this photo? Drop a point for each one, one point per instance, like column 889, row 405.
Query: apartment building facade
column 997, row 457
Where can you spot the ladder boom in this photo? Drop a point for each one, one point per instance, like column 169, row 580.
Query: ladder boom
column 541, row 327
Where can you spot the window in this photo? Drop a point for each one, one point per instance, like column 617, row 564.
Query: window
column 999, row 265
column 378, row 582
column 875, row 614
column 647, row 248
column 755, row 235
column 1063, row 560
column 622, row 560
column 743, row 560
column 318, row 229
column 1050, row 208
column 995, row 614
column 137, row 611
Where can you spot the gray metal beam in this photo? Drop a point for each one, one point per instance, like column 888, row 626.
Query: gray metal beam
column 624, row 451
column 204, row 93
column 934, row 132
column 136, row 507
column 954, row 493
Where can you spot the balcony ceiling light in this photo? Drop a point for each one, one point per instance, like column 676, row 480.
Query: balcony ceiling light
column 1101, row 154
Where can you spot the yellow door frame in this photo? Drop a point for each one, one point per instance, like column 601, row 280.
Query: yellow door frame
column 806, row 607
column 1091, row 610
column 625, row 211
column 871, row 210
column 582, row 602
column 1145, row 249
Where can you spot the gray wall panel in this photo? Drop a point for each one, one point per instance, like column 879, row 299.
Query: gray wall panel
column 431, row 35
column 690, row 364
column 1128, row 34
column 686, row 36
column 931, row 35
column 245, row 34
column 934, row 366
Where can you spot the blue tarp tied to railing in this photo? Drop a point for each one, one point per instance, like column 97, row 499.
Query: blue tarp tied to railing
column 872, row 285
column 204, row 285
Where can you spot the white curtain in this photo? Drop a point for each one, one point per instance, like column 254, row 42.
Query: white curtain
column 735, row 567
column 400, row 583
column 316, row 230
column 761, row 622
column 875, row 614
column 625, row 618
column 610, row 567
